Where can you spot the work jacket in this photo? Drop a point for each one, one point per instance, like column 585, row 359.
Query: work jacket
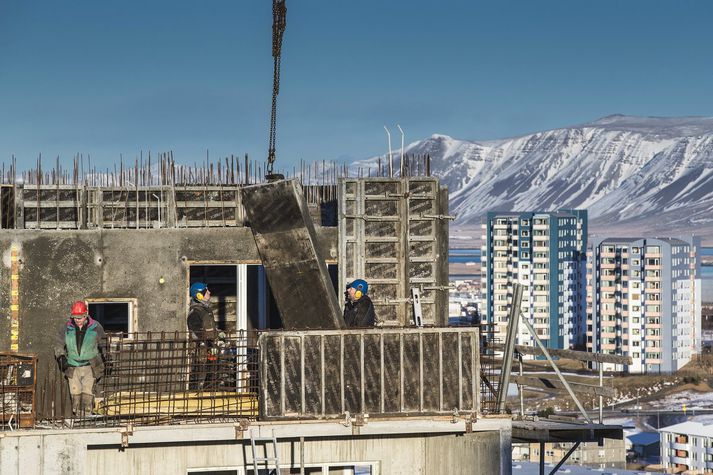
column 360, row 313
column 201, row 323
column 86, row 351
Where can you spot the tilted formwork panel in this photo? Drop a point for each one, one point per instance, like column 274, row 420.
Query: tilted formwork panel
column 387, row 371
column 394, row 234
column 286, row 240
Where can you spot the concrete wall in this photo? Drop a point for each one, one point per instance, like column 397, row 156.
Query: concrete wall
column 59, row 267
column 177, row 449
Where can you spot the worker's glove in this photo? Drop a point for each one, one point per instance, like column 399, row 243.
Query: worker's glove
column 222, row 336
column 63, row 363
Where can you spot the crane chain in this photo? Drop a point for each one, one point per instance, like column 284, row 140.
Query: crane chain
column 279, row 22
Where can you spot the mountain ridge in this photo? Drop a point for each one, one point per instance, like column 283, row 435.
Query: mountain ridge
column 654, row 174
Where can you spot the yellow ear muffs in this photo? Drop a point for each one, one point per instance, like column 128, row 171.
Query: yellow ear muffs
column 358, row 294
column 199, row 296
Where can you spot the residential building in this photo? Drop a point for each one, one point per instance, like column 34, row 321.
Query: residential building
column 643, row 301
column 610, row 454
column 545, row 252
column 687, row 447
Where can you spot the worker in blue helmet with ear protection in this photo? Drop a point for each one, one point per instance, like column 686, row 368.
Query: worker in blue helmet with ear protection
column 203, row 332
column 358, row 308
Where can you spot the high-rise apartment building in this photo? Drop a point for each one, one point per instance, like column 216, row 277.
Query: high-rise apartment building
column 644, row 301
column 545, row 252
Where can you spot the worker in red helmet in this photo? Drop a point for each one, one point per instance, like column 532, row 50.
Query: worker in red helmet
column 79, row 356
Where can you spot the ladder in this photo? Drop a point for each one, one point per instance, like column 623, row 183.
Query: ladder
column 265, row 442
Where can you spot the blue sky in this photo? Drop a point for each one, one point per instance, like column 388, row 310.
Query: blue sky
column 105, row 78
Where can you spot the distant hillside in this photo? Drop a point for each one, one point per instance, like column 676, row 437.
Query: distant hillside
column 633, row 174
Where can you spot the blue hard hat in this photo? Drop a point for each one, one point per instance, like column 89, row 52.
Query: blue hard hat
column 359, row 284
column 198, row 288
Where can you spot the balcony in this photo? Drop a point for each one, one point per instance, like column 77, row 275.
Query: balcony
column 680, row 460
column 681, row 446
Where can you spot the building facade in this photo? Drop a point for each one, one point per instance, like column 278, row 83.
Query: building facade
column 687, row 447
column 644, row 301
column 611, row 454
column 546, row 254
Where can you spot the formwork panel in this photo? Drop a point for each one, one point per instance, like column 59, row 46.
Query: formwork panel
column 449, row 348
column 381, row 270
column 381, row 207
column 272, row 379
column 420, row 228
column 391, row 232
column 381, row 372
column 392, row 373
column 420, row 207
column 332, row 374
column 378, row 228
column 313, row 374
column 352, row 373
column 467, row 346
column 382, row 187
column 429, row 342
column 380, row 250
column 287, row 243
column 292, row 375
column 372, row 373
column 422, row 187
column 412, row 376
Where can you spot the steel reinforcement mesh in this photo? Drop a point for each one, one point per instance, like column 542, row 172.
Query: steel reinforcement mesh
column 160, row 378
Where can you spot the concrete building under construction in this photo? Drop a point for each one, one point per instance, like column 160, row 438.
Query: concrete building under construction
column 392, row 399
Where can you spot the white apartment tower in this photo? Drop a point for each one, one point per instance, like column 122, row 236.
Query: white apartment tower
column 644, row 301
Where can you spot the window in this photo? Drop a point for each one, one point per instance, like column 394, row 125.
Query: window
column 222, row 281
column 345, row 468
column 115, row 315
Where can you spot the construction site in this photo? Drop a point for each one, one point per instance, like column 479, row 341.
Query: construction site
column 411, row 395
column 286, row 386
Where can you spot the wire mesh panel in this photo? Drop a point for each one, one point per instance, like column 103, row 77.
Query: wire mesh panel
column 392, row 232
column 375, row 371
column 163, row 378
column 18, row 374
column 153, row 378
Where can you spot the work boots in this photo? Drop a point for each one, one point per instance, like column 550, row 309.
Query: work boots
column 87, row 404
column 76, row 404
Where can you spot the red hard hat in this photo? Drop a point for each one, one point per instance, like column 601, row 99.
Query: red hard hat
column 79, row 308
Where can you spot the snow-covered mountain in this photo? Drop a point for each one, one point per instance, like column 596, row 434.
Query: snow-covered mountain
column 648, row 174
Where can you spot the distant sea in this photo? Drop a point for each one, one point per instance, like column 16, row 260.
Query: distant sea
column 463, row 256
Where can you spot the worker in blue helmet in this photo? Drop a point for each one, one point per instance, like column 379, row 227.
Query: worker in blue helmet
column 358, row 307
column 203, row 333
